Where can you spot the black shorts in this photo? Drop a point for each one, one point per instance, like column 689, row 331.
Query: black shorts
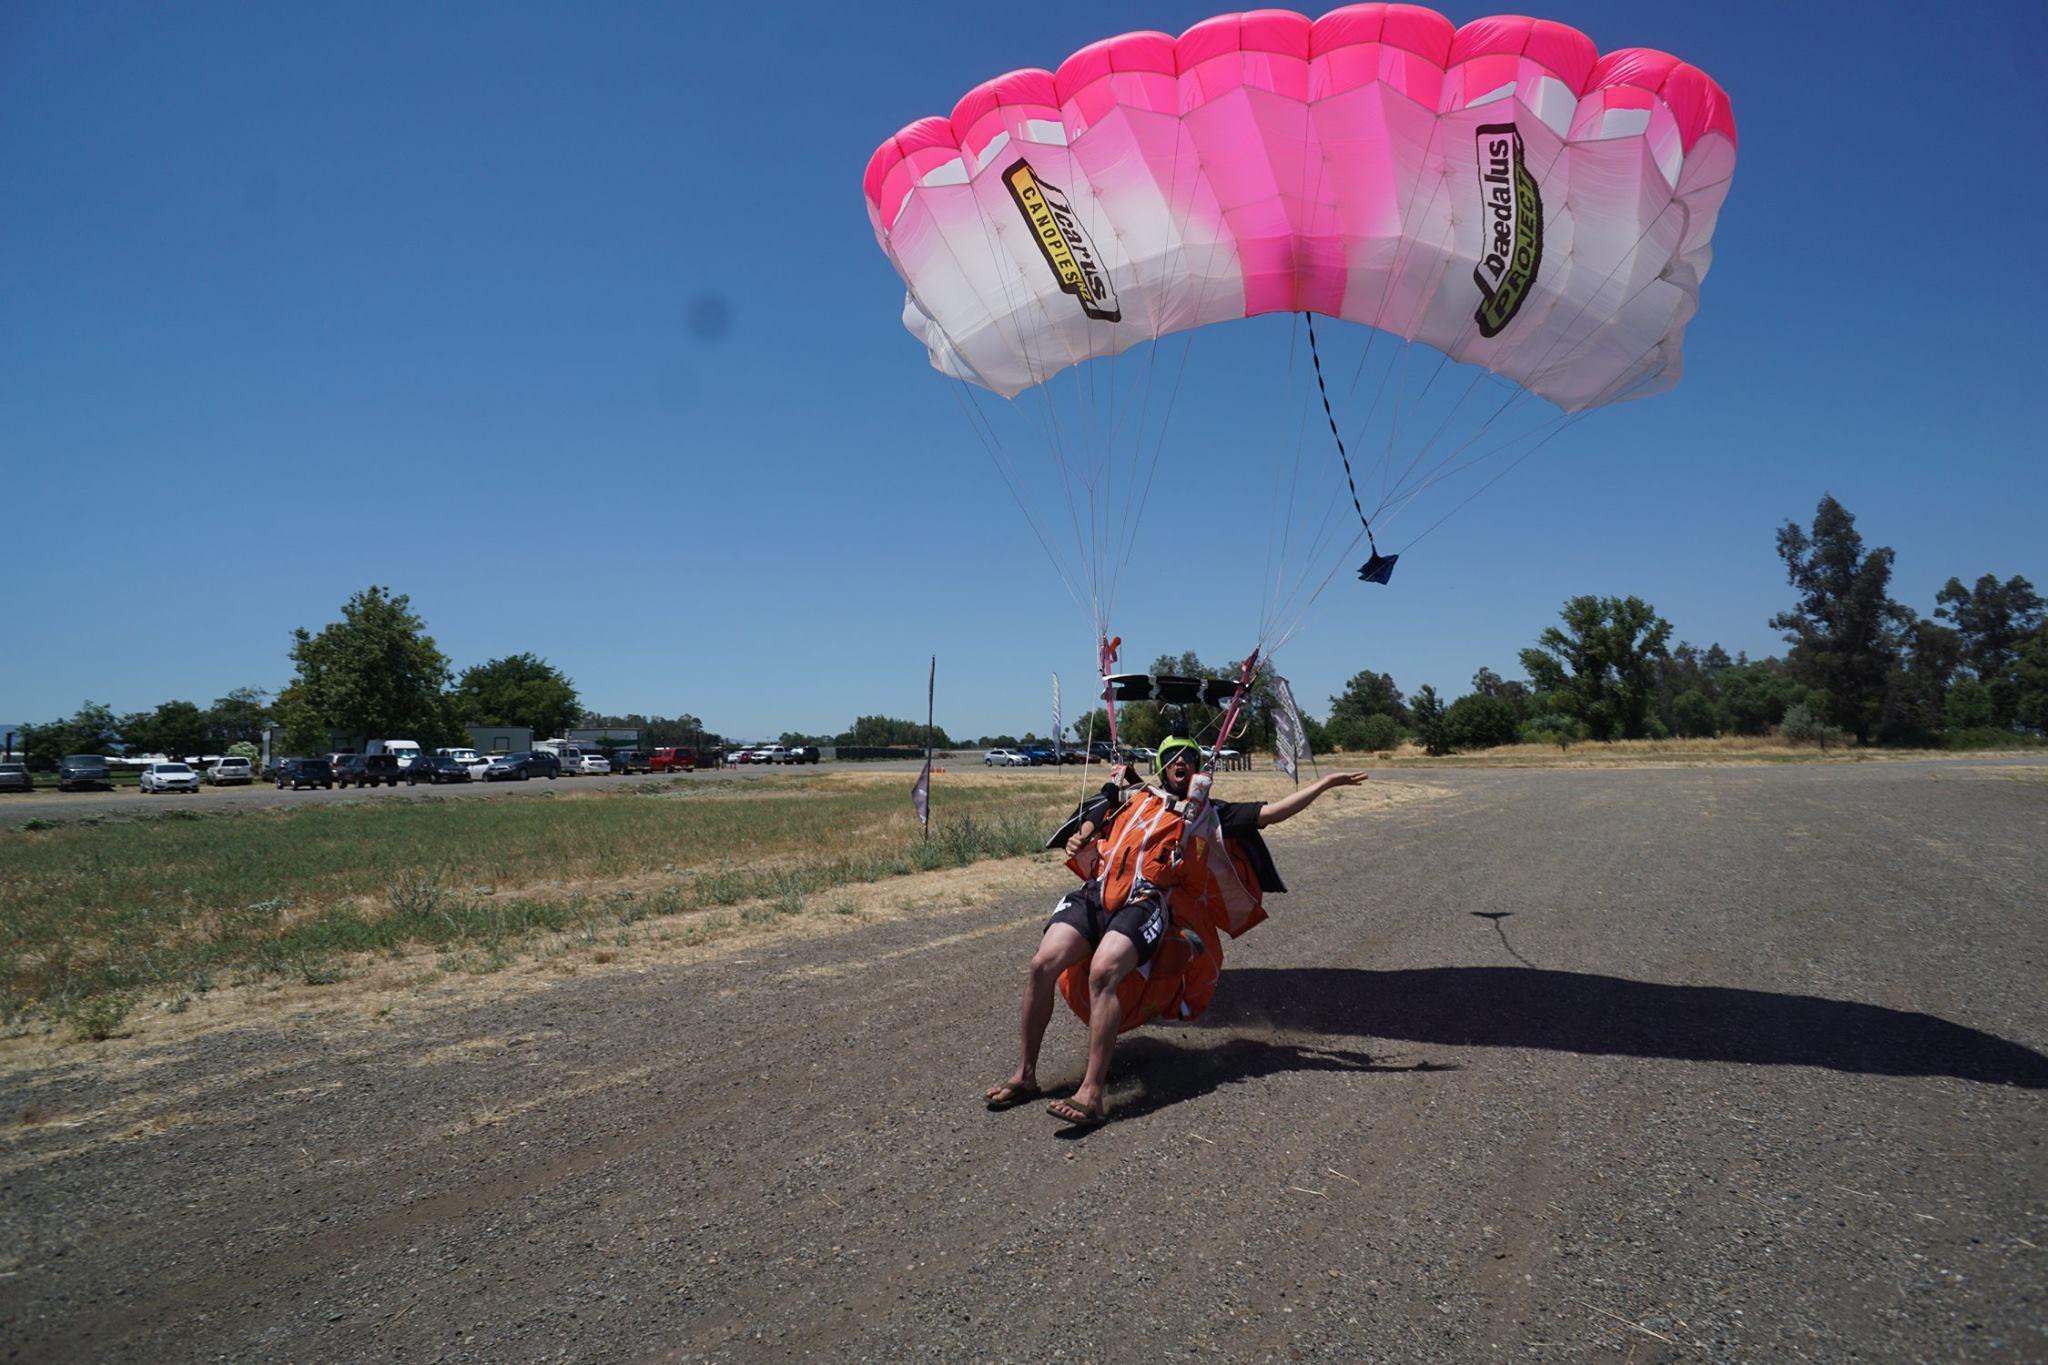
column 1143, row 918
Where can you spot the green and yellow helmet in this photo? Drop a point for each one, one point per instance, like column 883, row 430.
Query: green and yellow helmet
column 1177, row 744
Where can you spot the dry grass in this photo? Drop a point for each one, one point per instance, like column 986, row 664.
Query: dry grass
column 152, row 926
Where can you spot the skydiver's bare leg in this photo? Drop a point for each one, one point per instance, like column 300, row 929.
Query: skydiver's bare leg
column 1115, row 958
column 1061, row 948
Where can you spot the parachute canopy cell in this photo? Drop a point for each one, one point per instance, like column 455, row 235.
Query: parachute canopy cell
column 1500, row 192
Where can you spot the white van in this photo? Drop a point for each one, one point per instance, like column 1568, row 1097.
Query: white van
column 405, row 750
column 466, row 757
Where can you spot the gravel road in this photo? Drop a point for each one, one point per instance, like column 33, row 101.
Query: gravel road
column 1675, row 1065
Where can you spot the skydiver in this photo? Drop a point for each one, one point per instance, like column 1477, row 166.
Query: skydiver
column 1116, row 919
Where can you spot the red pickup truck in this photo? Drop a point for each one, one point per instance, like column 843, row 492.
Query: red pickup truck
column 679, row 759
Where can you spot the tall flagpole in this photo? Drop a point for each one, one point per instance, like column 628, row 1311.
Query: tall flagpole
column 931, row 684
column 921, row 790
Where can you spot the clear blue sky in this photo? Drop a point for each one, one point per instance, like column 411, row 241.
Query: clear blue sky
column 568, row 322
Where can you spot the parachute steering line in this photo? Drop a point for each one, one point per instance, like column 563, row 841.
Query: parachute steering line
column 1379, row 568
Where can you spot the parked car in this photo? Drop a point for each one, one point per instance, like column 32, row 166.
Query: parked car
column 803, row 753
column 769, row 753
column 169, row 777
column 81, row 771
column 434, row 769
column 593, row 765
column 1039, row 754
column 672, row 759
column 1005, row 758
column 466, row 757
column 521, row 766
column 229, row 772
column 632, row 761
column 304, row 772
column 14, row 778
column 733, row 756
column 478, row 764
column 367, row 770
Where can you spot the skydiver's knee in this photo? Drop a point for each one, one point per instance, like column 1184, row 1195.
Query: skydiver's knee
column 1108, row 970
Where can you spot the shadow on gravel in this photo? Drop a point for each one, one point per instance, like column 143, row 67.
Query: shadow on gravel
column 1578, row 1012
column 1169, row 1073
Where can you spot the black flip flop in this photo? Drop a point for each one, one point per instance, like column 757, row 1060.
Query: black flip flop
column 1019, row 1094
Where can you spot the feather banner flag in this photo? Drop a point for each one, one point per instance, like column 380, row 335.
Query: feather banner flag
column 1290, row 739
column 921, row 790
column 1057, row 728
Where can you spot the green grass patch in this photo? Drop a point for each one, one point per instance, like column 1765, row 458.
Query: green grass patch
column 102, row 916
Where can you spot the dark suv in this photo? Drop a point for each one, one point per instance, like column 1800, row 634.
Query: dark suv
column 79, row 772
column 802, row 753
column 434, row 769
column 304, row 772
column 522, row 766
column 367, row 770
column 632, row 761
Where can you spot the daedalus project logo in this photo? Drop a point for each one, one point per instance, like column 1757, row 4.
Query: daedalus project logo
column 1513, row 249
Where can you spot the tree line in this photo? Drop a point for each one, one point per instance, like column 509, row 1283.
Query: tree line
column 1859, row 666
column 375, row 673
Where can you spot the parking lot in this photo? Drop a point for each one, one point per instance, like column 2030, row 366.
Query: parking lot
column 46, row 802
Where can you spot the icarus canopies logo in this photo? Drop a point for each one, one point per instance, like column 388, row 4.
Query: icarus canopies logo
column 1512, row 251
column 1064, row 242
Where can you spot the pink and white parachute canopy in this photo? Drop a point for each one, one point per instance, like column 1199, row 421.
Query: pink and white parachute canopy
column 1500, row 191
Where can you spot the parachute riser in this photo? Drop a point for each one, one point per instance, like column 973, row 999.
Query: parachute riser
column 1106, row 654
column 1245, row 673
column 1196, row 815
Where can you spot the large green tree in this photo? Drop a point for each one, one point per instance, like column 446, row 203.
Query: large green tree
column 519, row 689
column 2030, row 682
column 1479, row 721
column 1513, row 691
column 176, row 729
column 1994, row 620
column 89, row 730
column 375, row 673
column 1847, row 635
column 1755, row 696
column 237, row 718
column 1601, row 667
column 1427, row 713
column 1366, row 695
column 1916, row 697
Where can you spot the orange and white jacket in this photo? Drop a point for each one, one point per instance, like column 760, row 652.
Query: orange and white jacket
column 1141, row 847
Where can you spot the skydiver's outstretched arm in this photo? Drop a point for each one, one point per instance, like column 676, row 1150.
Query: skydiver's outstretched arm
column 1294, row 803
